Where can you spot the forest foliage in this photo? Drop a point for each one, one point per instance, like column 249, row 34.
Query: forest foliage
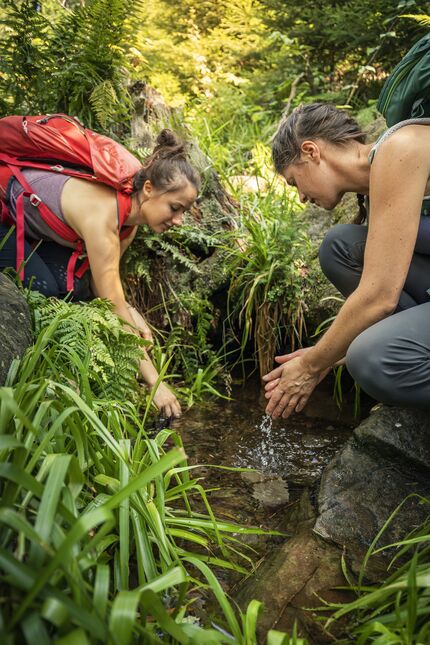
column 98, row 526
column 224, row 58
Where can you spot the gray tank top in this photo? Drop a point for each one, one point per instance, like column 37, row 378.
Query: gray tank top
column 425, row 210
column 48, row 186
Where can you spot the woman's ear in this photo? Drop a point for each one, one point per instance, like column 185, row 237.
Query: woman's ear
column 147, row 189
column 310, row 151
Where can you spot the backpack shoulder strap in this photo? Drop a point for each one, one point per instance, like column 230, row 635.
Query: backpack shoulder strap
column 124, row 207
column 394, row 128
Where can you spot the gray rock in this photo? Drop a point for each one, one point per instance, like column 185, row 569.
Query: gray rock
column 271, row 493
column 387, row 459
column 15, row 325
column 399, row 434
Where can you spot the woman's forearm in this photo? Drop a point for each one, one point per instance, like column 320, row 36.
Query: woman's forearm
column 147, row 369
column 359, row 312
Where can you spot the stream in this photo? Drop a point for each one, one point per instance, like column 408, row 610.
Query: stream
column 288, row 457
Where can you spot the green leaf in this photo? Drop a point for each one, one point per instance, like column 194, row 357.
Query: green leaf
column 123, row 616
column 101, row 589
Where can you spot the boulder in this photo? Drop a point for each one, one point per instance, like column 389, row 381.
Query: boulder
column 295, row 579
column 15, row 325
column 386, row 460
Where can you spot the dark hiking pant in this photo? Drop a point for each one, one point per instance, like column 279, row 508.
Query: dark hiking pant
column 391, row 359
column 45, row 269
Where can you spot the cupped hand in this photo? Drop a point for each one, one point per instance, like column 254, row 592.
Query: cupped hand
column 292, row 383
column 166, row 401
column 272, row 378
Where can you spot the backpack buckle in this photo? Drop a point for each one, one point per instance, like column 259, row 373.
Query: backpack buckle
column 35, row 200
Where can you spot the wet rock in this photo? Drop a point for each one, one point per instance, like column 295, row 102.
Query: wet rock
column 253, row 476
column 387, row 459
column 399, row 434
column 294, row 578
column 268, row 488
column 15, row 325
column 271, row 493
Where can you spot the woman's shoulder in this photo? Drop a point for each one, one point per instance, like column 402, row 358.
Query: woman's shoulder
column 81, row 198
column 402, row 136
column 90, row 194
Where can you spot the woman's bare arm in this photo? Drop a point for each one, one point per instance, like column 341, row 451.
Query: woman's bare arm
column 102, row 243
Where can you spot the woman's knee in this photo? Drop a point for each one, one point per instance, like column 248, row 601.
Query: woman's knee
column 342, row 256
column 336, row 241
column 391, row 368
column 45, row 284
column 363, row 360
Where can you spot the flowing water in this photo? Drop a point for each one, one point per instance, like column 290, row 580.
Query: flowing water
column 287, row 455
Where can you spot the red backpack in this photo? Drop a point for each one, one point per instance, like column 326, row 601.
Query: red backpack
column 48, row 142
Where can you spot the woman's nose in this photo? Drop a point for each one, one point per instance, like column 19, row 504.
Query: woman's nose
column 177, row 219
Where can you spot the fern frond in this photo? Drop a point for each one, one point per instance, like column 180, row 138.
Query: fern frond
column 422, row 19
column 95, row 335
column 104, row 101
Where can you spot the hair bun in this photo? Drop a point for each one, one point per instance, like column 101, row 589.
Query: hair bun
column 168, row 144
column 167, row 138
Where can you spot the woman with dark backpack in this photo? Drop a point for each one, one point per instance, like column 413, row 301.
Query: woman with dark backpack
column 84, row 221
column 383, row 269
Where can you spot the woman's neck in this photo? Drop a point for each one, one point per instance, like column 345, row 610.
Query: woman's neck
column 133, row 216
column 356, row 168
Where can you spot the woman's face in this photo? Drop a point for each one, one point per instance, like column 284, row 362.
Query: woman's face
column 161, row 210
column 315, row 176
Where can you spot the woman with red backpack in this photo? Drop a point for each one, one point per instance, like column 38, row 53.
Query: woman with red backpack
column 86, row 220
column 382, row 269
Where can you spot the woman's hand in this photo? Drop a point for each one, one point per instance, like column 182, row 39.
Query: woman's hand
column 289, row 386
column 273, row 377
column 166, row 401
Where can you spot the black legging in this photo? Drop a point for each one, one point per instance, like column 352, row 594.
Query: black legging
column 391, row 359
column 45, row 270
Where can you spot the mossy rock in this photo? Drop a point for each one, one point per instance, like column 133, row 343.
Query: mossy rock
column 15, row 325
column 214, row 213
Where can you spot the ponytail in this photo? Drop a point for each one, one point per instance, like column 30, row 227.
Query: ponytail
column 362, row 210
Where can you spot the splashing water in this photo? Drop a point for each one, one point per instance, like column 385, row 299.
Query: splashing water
column 263, row 453
column 237, row 434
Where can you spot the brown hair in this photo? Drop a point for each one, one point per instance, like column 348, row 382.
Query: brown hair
column 314, row 121
column 167, row 166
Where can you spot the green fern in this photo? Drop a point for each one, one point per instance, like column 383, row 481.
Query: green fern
column 421, row 19
column 92, row 331
column 75, row 64
column 25, row 58
column 105, row 102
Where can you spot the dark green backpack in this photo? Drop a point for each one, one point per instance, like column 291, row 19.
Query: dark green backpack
column 406, row 92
